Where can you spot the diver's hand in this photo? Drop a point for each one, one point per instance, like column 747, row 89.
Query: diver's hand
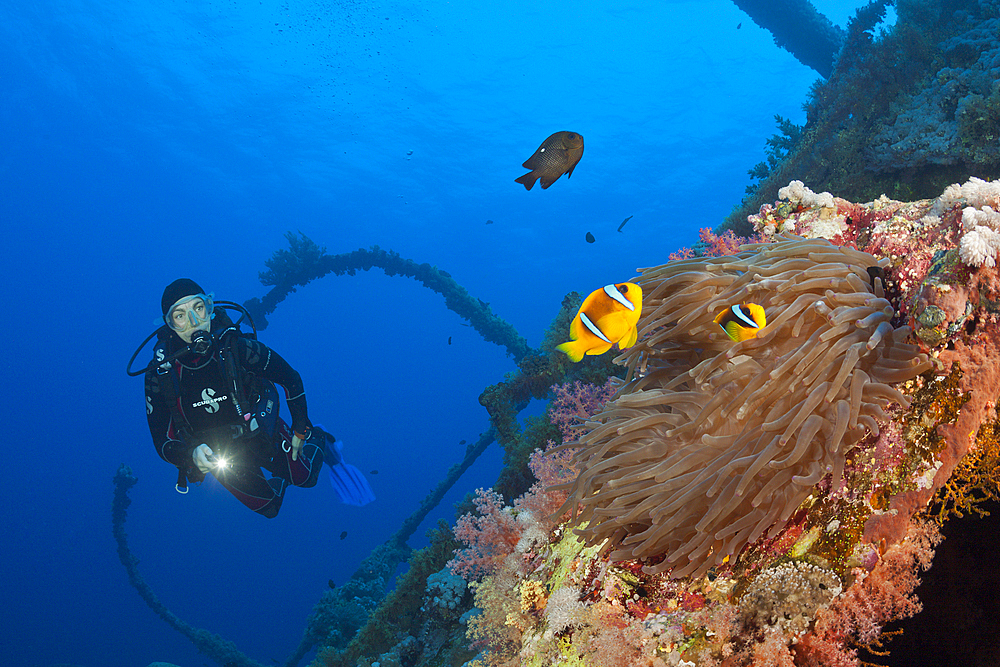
column 297, row 443
column 203, row 458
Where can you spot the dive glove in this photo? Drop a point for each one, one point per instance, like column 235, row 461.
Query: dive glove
column 203, row 458
column 297, row 443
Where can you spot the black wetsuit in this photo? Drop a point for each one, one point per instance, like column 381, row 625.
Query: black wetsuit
column 208, row 409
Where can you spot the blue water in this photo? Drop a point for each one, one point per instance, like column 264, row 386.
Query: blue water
column 144, row 141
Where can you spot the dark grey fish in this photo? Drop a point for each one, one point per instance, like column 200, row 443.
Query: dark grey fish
column 559, row 154
column 623, row 222
column 590, row 238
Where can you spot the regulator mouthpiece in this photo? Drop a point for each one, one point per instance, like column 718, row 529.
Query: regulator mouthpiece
column 201, row 342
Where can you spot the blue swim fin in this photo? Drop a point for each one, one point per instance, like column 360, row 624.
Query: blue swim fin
column 347, row 481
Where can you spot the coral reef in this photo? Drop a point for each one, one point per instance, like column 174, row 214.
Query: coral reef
column 946, row 120
column 537, row 374
column 820, row 587
column 907, row 110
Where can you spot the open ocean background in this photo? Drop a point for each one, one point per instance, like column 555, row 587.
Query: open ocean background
column 145, row 141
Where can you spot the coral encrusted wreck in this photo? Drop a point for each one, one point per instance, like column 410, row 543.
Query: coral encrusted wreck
column 712, row 444
column 799, row 478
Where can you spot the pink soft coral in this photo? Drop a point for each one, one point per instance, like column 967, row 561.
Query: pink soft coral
column 575, row 401
column 489, row 537
column 550, row 469
column 884, row 595
column 716, row 245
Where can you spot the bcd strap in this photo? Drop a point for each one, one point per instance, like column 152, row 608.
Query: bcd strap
column 229, row 355
column 182, row 481
column 172, row 392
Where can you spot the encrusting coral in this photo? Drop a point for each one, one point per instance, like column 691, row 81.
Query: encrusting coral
column 818, row 588
column 909, row 108
column 305, row 261
column 712, row 444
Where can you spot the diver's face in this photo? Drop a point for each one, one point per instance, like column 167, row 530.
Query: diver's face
column 189, row 315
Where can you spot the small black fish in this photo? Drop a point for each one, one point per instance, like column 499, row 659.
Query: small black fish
column 590, row 238
column 462, row 442
column 489, row 222
column 558, row 155
column 444, row 273
column 623, row 222
column 449, row 340
column 739, row 25
column 373, row 472
column 343, row 535
column 332, row 585
column 876, row 273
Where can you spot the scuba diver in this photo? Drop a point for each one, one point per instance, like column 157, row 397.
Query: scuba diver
column 212, row 407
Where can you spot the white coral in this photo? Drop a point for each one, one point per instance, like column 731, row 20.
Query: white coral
column 975, row 192
column 980, row 193
column 985, row 217
column 533, row 534
column 979, row 247
column 827, row 228
column 797, row 193
column 563, row 608
column 980, row 219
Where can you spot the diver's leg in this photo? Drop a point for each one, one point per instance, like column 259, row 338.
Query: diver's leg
column 251, row 488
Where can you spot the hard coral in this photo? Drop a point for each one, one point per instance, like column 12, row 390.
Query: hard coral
column 714, row 444
column 787, row 596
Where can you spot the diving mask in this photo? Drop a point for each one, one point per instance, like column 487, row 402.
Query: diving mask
column 189, row 314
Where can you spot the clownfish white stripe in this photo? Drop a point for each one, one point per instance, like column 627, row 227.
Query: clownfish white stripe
column 744, row 318
column 613, row 292
column 593, row 328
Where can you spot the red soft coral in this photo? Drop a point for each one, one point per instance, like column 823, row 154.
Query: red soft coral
column 716, row 245
column 884, row 595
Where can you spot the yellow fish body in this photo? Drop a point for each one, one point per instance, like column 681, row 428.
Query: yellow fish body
column 608, row 316
column 742, row 322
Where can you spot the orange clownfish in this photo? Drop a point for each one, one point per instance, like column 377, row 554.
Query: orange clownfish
column 608, row 316
column 742, row 322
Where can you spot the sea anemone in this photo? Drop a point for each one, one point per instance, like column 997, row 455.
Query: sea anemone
column 710, row 444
